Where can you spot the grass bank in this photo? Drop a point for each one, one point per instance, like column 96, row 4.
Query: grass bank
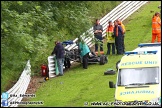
column 79, row 85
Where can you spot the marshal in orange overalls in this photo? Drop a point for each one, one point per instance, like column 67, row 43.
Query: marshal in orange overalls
column 156, row 28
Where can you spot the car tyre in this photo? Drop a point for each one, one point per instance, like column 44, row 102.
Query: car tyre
column 102, row 60
column 109, row 72
column 106, row 59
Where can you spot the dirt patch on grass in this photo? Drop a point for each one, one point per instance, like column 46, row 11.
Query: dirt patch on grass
column 36, row 81
column 34, row 84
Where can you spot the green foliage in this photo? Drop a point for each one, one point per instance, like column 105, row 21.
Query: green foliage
column 100, row 8
column 29, row 28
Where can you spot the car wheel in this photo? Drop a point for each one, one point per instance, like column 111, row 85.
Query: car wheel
column 102, row 60
column 106, row 59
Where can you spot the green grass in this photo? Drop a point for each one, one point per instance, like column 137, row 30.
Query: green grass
column 78, row 85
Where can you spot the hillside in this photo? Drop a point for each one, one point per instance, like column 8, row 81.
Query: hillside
column 79, row 87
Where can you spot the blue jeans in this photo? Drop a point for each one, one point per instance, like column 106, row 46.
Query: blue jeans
column 60, row 63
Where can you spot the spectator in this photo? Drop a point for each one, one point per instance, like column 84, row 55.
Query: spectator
column 84, row 52
column 156, row 27
column 118, row 32
column 110, row 38
column 98, row 29
column 59, row 52
column 123, row 27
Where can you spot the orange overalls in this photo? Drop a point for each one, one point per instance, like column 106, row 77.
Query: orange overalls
column 156, row 29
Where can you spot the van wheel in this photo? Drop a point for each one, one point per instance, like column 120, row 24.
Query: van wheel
column 109, row 72
column 117, row 65
column 102, row 60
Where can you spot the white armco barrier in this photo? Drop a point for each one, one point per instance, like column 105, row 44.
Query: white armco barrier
column 15, row 94
column 51, row 66
column 122, row 11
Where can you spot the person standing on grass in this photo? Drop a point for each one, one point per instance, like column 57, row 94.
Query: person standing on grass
column 59, row 52
column 156, row 27
column 98, row 29
column 84, row 53
column 110, row 38
column 124, row 30
column 118, row 32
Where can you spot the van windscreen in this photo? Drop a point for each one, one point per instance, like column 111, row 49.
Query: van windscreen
column 138, row 76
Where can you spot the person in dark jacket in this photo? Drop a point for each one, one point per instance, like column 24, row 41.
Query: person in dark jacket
column 118, row 32
column 98, row 29
column 59, row 51
column 124, row 30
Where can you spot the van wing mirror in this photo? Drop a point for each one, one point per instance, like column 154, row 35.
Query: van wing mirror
column 111, row 84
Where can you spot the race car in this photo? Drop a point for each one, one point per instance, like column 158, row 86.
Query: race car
column 74, row 55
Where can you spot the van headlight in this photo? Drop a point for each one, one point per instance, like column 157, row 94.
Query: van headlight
column 156, row 101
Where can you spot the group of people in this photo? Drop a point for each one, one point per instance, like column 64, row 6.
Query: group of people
column 84, row 50
column 59, row 52
column 114, row 35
